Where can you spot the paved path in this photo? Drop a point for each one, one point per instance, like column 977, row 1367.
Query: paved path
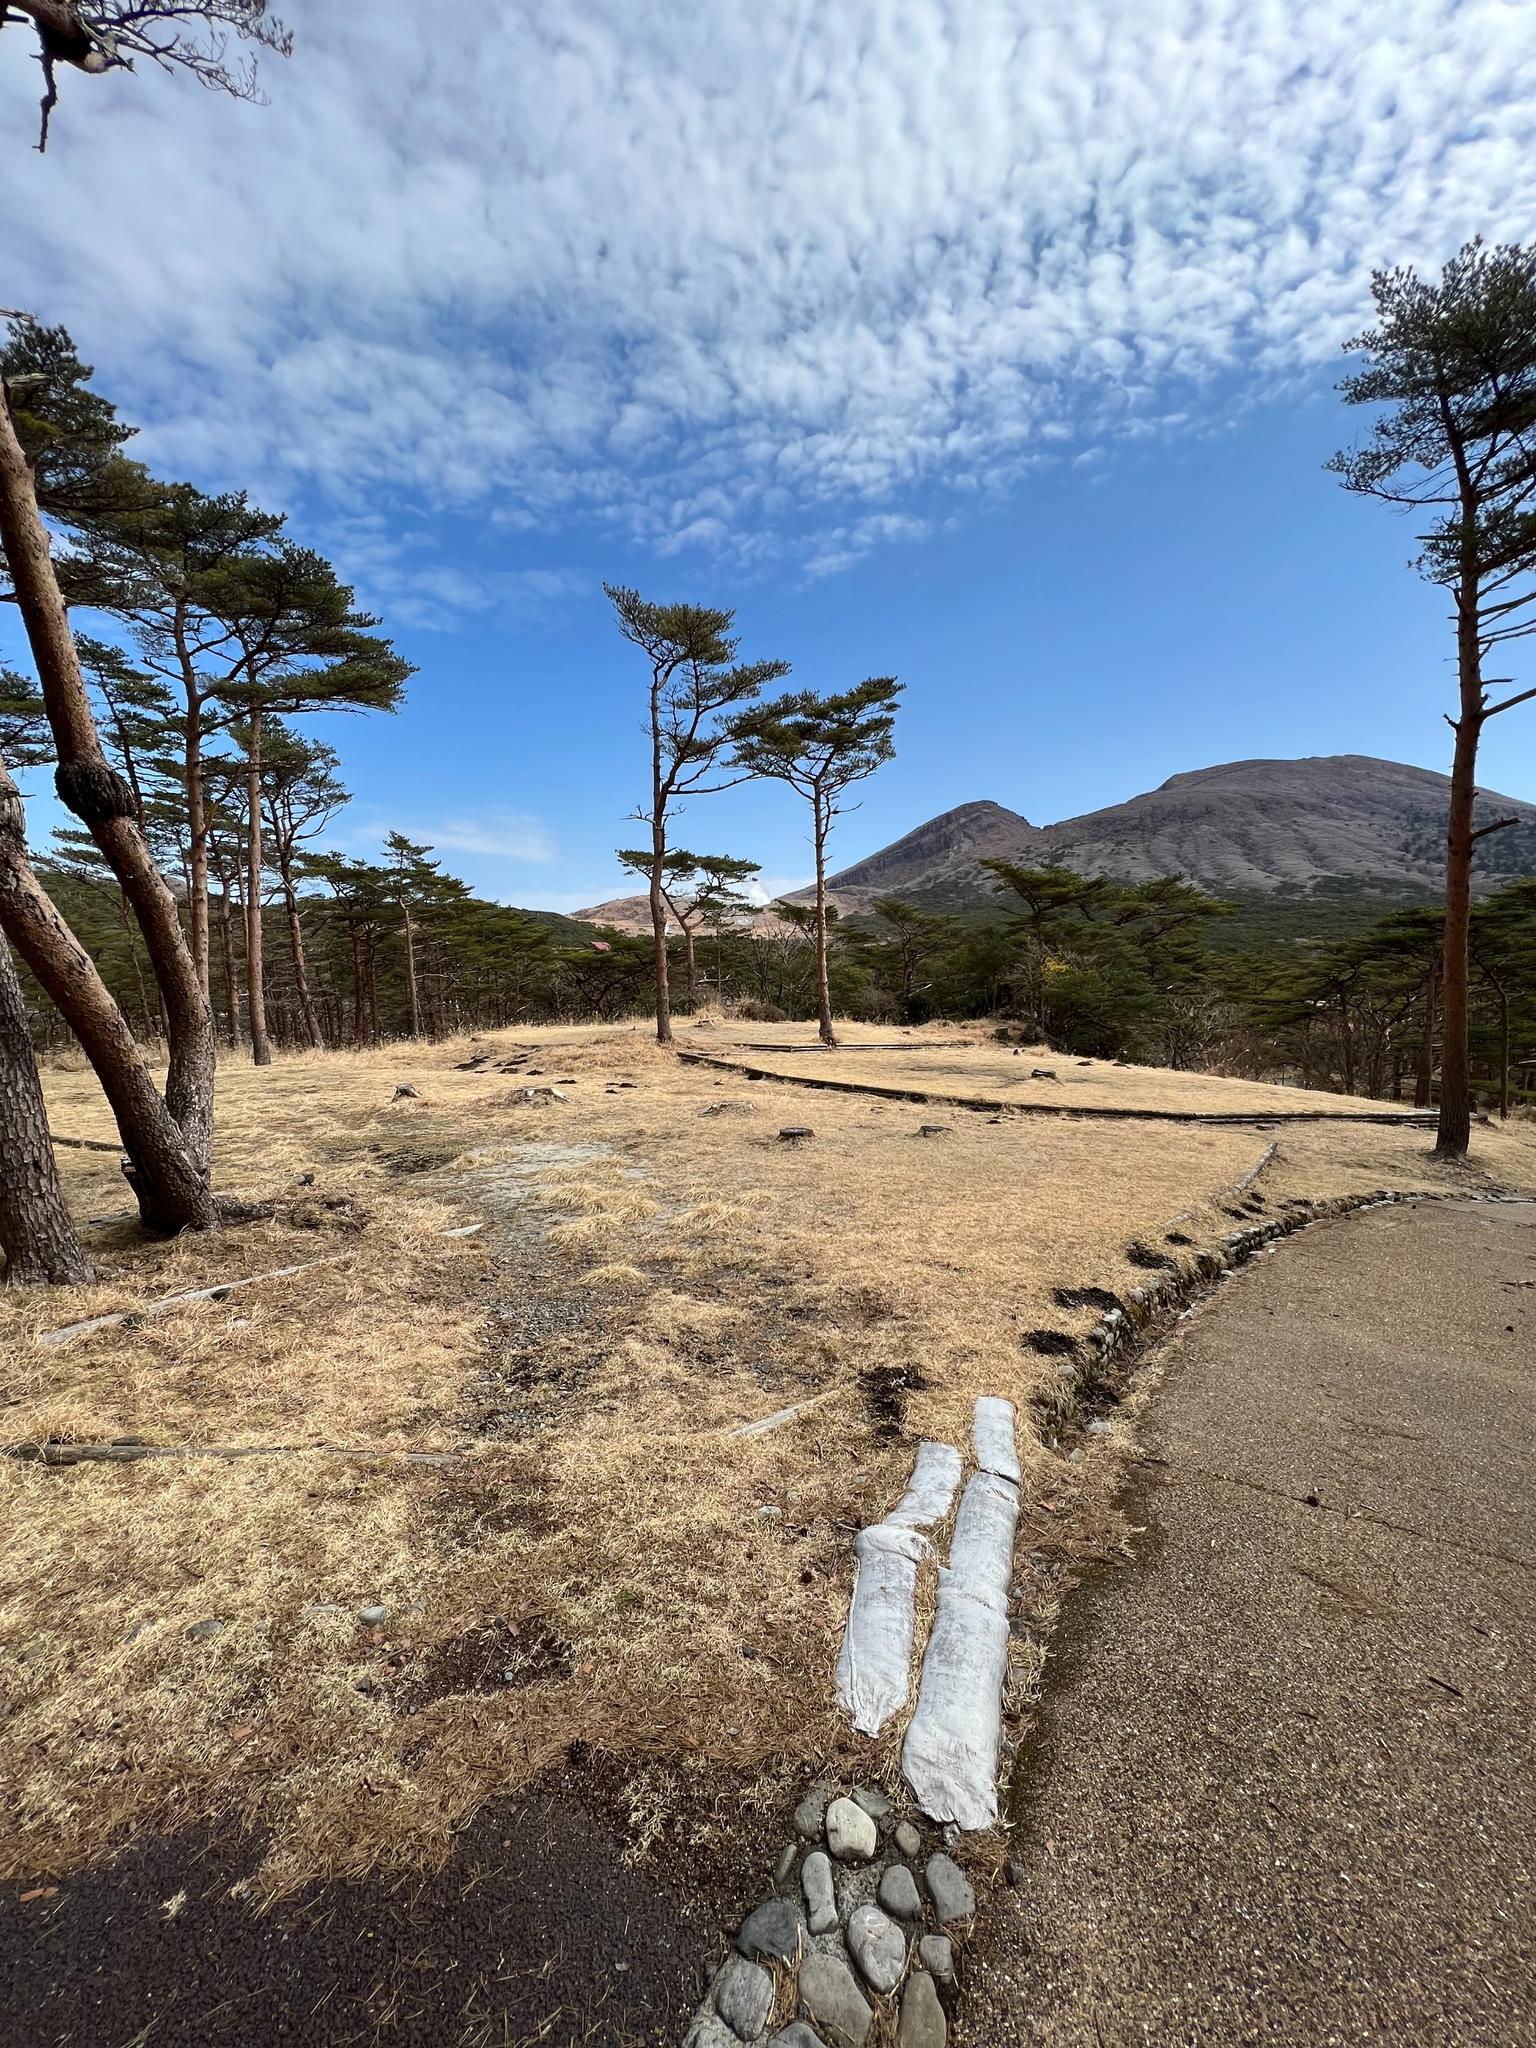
column 1282, row 1788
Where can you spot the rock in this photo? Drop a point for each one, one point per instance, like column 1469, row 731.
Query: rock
column 923, row 2024
column 936, row 1953
column 878, row 1946
column 709, row 2032
column 873, row 1801
column 773, row 1929
column 933, row 1130
column 851, row 1833
column 808, row 1816
column 205, row 1631
column 899, row 1893
column 831, row 1999
column 1042, row 1073
column 820, row 1893
column 404, row 1091
column 795, row 1134
column 908, row 1840
column 744, row 1997
column 788, row 1856
column 796, row 2035
column 1099, row 1427
column 950, row 1890
column 373, row 1617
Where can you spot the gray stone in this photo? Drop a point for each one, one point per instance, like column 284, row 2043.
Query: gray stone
column 744, row 1997
column 923, row 2024
column 786, row 1863
column 796, row 2035
column 775, row 1928
column 878, row 1946
column 808, row 1815
column 899, row 1893
column 950, row 1890
column 820, row 1895
column 936, row 1953
column 908, row 1840
column 709, row 2032
column 373, row 1617
column 830, row 1997
column 205, row 1631
column 873, row 1801
column 851, row 1834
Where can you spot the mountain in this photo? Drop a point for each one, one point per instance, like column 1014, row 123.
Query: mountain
column 1319, row 826
column 1332, row 825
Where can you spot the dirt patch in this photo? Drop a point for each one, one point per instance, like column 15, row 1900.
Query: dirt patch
column 542, row 1927
column 488, row 1658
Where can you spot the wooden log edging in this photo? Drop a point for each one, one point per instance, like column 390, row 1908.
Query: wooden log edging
column 1421, row 1120
column 129, row 1451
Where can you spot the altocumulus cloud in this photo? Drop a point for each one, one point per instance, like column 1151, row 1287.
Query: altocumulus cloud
column 740, row 278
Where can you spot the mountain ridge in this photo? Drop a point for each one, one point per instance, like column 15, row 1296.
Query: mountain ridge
column 1253, row 828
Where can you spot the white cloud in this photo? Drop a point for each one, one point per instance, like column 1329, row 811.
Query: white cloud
column 503, row 835
column 738, row 279
column 507, row 835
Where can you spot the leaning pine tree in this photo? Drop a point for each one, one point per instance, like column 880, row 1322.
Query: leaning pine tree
column 1453, row 366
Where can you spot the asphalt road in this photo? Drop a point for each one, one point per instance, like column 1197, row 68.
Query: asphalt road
column 1282, row 1786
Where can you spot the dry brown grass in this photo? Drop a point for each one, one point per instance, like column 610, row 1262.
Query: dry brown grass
column 655, row 1277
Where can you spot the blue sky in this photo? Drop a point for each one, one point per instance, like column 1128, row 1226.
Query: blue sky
column 983, row 343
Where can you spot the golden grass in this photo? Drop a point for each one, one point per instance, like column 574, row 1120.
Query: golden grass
column 654, row 1277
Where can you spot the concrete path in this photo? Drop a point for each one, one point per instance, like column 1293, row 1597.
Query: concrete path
column 1282, row 1787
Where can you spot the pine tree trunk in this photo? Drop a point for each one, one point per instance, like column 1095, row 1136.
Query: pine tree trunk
column 1503, row 1055
column 99, row 797
column 1424, row 1076
column 227, row 954
column 1455, row 1131
column 39, row 1240
column 197, row 814
column 658, row 855
column 312, row 1030
column 169, row 1181
column 823, row 985
column 255, row 958
column 410, row 971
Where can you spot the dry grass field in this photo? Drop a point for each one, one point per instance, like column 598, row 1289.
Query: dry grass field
column 598, row 1557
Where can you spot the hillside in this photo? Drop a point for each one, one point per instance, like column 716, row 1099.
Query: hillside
column 1342, row 827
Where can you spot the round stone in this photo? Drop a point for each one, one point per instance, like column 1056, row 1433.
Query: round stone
column 373, row 1617
column 936, row 1953
column 851, row 1832
column 744, row 1997
column 832, row 2001
column 923, row 2024
column 899, row 1893
column 908, row 1840
column 820, row 1893
column 950, row 1890
column 878, row 1946
column 773, row 1929
column 808, row 1817
column 873, row 1801
column 205, row 1631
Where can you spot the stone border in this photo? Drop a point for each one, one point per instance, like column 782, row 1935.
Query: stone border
column 1421, row 1120
column 853, row 1942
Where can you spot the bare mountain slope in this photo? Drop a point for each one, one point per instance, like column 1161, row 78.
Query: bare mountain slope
column 1245, row 828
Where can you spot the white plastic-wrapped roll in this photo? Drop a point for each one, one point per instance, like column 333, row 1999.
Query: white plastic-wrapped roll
column 992, row 1438
column 951, row 1751
column 874, row 1669
column 935, row 1475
